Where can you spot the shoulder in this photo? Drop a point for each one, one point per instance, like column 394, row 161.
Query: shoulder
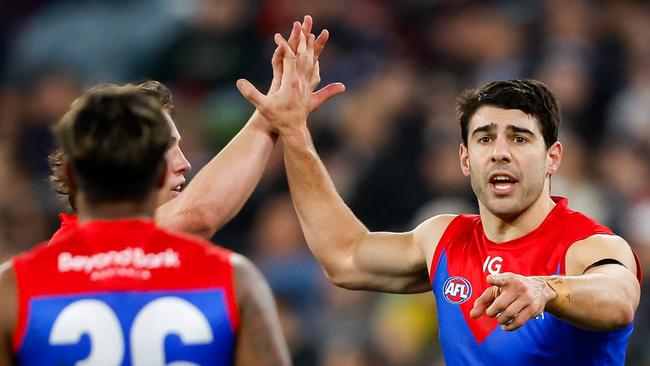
column 429, row 233
column 581, row 226
column 247, row 276
column 251, row 288
column 591, row 249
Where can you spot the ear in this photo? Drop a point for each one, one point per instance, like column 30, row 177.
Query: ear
column 554, row 158
column 464, row 159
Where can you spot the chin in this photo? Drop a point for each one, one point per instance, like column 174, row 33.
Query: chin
column 505, row 208
column 166, row 197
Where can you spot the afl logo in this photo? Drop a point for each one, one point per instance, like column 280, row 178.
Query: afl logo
column 457, row 290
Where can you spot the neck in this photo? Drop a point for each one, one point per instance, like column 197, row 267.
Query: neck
column 87, row 211
column 500, row 230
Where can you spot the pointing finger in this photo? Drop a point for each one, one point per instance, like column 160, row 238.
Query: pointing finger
column 498, row 279
column 485, row 300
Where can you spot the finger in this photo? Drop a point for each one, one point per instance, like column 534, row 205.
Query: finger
column 279, row 39
column 499, row 279
column 288, row 66
column 276, row 64
column 309, row 62
column 520, row 319
column 307, row 24
column 511, row 311
column 250, row 92
column 320, row 43
column 314, row 80
column 294, row 37
column 302, row 55
column 302, row 45
column 483, row 301
column 322, row 96
column 501, row 303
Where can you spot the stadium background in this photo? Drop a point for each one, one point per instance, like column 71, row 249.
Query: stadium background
column 390, row 142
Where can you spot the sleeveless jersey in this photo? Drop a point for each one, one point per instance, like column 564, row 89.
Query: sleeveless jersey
column 68, row 226
column 125, row 292
column 463, row 259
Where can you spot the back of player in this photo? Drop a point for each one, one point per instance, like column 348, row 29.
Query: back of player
column 116, row 289
column 125, row 293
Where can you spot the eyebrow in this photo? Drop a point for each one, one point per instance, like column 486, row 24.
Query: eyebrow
column 485, row 128
column 516, row 129
column 511, row 128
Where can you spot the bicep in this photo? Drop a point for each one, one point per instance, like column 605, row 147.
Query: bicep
column 259, row 339
column 399, row 262
column 595, row 248
column 582, row 256
column 387, row 262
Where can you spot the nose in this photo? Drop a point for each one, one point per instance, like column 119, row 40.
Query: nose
column 500, row 151
column 179, row 164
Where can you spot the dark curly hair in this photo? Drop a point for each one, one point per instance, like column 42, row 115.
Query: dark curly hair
column 529, row 96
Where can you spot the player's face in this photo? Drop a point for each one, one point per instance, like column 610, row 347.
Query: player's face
column 507, row 160
column 177, row 166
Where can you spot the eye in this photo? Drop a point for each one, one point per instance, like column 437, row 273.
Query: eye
column 520, row 140
column 484, row 140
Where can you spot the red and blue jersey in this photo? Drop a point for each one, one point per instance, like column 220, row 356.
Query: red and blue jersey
column 125, row 292
column 67, row 228
column 464, row 258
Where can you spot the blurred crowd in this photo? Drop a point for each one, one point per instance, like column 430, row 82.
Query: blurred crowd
column 390, row 142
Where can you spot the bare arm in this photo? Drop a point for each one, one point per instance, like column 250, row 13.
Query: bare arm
column 603, row 298
column 219, row 190
column 8, row 315
column 352, row 256
column 259, row 339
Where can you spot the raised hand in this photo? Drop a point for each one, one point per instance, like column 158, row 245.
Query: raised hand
column 294, row 60
column 513, row 299
column 287, row 107
column 327, row 92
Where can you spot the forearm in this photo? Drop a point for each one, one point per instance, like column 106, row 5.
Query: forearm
column 330, row 228
column 219, row 190
column 595, row 301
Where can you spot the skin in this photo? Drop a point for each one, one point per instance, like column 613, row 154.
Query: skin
column 220, row 189
column 502, row 142
column 9, row 313
column 260, row 340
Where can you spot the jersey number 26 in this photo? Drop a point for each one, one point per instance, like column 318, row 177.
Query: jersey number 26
column 154, row 322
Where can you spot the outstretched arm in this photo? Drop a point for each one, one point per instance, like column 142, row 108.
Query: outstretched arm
column 352, row 256
column 219, row 190
column 599, row 298
column 259, row 339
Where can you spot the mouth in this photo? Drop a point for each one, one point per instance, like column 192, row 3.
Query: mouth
column 502, row 183
column 178, row 188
